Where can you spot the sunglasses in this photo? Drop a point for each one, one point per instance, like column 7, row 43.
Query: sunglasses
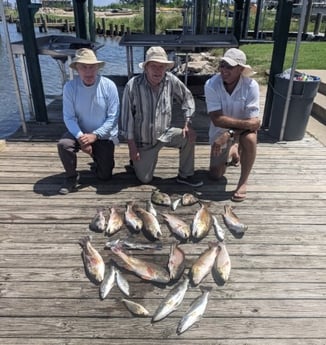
column 226, row 66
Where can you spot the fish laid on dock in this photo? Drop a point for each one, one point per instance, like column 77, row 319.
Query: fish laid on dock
column 177, row 226
column 172, row 301
column 203, row 265
column 98, row 222
column 160, row 198
column 150, row 208
column 135, row 308
column 151, row 226
column 202, row 223
column 188, row 199
column 218, row 230
column 195, row 312
column 93, row 261
column 233, row 223
column 222, row 265
column 115, row 222
column 131, row 218
column 131, row 244
column 108, row 281
column 176, row 264
column 143, row 269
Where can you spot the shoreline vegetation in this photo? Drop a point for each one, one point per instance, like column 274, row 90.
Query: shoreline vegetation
column 311, row 54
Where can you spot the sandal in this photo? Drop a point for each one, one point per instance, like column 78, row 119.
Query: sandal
column 238, row 197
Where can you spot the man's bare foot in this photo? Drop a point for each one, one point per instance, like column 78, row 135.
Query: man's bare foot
column 240, row 194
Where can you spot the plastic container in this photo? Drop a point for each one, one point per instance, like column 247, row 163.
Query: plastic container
column 301, row 102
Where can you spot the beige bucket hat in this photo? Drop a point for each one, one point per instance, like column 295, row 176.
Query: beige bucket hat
column 236, row 57
column 156, row 54
column 87, row 56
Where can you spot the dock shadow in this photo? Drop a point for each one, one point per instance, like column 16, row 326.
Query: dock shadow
column 50, row 185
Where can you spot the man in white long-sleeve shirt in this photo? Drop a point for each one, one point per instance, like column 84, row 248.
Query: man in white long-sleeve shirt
column 90, row 111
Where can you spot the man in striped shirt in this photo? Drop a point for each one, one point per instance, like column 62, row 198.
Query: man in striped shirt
column 146, row 114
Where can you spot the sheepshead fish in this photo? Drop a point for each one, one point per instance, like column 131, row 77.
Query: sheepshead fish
column 219, row 231
column 233, row 223
column 143, row 269
column 108, row 281
column 150, row 223
column 188, row 199
column 133, row 244
column 115, row 222
column 160, row 198
column 202, row 223
column 203, row 265
column 172, row 300
column 135, row 308
column 131, row 218
column 93, row 261
column 98, row 222
column 222, row 266
column 176, row 264
column 195, row 312
column 150, row 208
column 177, row 226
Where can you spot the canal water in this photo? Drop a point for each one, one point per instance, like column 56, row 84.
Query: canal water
column 112, row 53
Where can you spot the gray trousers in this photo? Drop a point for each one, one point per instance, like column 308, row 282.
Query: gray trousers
column 144, row 168
column 103, row 156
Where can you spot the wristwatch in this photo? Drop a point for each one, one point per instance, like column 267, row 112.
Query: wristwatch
column 231, row 132
column 188, row 121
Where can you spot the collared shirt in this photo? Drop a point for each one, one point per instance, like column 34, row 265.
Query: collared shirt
column 146, row 115
column 91, row 109
column 241, row 104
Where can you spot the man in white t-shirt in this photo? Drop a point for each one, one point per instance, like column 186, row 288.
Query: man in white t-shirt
column 232, row 100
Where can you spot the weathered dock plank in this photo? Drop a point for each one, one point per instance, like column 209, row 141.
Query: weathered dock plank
column 277, row 287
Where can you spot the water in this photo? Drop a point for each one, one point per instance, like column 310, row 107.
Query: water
column 113, row 54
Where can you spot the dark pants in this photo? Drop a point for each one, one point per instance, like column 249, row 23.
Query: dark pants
column 103, row 156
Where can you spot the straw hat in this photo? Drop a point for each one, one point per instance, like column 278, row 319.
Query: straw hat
column 86, row 56
column 156, row 54
column 236, row 57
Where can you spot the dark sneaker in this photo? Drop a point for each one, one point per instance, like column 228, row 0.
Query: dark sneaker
column 69, row 185
column 190, row 181
column 130, row 168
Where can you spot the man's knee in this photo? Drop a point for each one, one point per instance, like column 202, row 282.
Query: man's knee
column 216, row 172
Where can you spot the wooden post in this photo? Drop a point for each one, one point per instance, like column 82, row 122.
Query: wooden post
column 104, row 26
column 26, row 12
column 91, row 21
column 111, row 29
column 67, row 26
column 80, row 18
column 149, row 17
column 319, row 19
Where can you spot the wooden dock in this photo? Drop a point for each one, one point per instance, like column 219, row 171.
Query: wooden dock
column 276, row 293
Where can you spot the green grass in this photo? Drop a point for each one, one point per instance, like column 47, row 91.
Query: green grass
column 259, row 56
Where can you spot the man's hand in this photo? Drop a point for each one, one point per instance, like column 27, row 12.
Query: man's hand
column 86, row 141
column 133, row 151
column 220, row 143
column 189, row 132
column 253, row 124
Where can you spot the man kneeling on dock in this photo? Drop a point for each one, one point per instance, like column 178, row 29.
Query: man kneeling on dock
column 90, row 112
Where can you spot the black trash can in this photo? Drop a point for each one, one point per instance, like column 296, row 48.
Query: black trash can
column 301, row 102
